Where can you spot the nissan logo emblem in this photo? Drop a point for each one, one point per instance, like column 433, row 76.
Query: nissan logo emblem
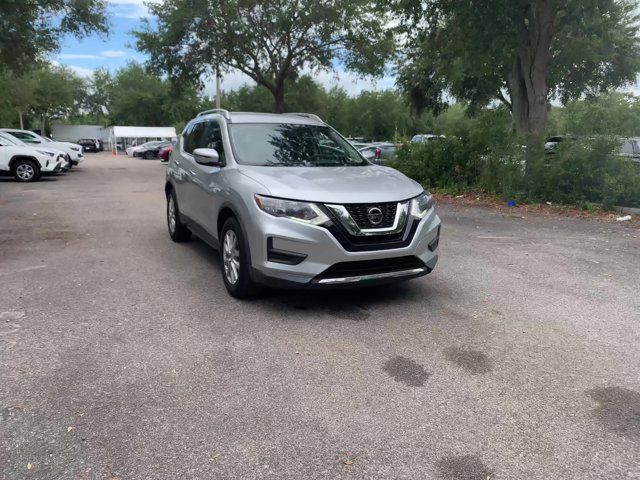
column 374, row 214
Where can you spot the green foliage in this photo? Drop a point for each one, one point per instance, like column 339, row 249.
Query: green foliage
column 271, row 41
column 499, row 50
column 29, row 30
column 482, row 153
column 40, row 94
column 375, row 115
column 585, row 170
column 613, row 113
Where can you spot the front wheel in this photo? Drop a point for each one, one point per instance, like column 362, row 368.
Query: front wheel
column 235, row 259
column 26, row 171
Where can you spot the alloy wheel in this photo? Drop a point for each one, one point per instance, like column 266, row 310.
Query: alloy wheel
column 231, row 257
column 25, row 171
column 171, row 211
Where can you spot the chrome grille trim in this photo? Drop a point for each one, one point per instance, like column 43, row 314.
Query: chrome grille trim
column 347, row 221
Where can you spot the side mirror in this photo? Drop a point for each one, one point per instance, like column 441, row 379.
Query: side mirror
column 207, row 156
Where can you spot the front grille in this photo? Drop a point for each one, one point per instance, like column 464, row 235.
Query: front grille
column 360, row 214
column 371, row 267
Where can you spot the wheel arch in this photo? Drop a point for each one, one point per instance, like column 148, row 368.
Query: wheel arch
column 17, row 158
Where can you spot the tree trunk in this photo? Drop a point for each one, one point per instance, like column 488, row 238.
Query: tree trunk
column 44, row 121
column 21, row 120
column 278, row 95
column 528, row 83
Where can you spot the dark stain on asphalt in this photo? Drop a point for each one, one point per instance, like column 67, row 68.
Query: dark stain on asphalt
column 473, row 361
column 618, row 409
column 405, row 370
column 348, row 311
column 463, row 467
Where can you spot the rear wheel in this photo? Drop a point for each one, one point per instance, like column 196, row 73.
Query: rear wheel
column 26, row 170
column 149, row 155
column 235, row 258
column 177, row 230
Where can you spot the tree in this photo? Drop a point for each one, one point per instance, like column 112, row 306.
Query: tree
column 99, row 96
column 29, row 30
column 522, row 53
column 271, row 41
column 18, row 95
column 58, row 93
column 138, row 97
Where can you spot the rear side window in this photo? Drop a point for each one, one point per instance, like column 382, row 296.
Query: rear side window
column 25, row 137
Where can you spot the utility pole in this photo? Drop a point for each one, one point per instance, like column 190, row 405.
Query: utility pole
column 218, row 87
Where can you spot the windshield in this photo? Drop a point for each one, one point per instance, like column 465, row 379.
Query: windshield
column 290, row 145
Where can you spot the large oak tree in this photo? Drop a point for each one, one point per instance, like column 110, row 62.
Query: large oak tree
column 524, row 53
column 271, row 41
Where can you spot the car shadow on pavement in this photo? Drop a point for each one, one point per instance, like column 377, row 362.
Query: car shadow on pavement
column 350, row 303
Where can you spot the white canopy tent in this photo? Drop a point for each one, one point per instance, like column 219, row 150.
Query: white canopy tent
column 139, row 132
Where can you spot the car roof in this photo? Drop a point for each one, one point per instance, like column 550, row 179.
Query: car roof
column 255, row 117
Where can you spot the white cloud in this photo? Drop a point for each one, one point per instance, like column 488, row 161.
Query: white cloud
column 131, row 9
column 76, row 56
column 114, row 53
column 81, row 71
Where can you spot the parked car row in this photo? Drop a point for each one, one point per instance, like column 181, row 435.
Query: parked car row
column 629, row 149
column 27, row 156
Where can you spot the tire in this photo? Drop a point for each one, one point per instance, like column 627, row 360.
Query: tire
column 178, row 231
column 149, row 155
column 235, row 260
column 25, row 170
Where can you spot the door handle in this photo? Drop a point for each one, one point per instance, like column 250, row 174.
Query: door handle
column 192, row 172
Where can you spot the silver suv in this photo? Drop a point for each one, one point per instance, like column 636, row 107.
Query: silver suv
column 289, row 202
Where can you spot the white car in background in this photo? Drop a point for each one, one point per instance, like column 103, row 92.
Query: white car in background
column 52, row 152
column 73, row 150
column 27, row 164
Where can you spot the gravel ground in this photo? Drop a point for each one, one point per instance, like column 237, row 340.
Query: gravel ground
column 122, row 356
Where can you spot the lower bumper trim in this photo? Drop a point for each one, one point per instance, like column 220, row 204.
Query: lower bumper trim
column 373, row 276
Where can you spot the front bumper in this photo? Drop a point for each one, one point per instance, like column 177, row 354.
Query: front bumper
column 291, row 254
column 52, row 166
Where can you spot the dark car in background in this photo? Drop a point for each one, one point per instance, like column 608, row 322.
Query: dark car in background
column 152, row 150
column 90, row 144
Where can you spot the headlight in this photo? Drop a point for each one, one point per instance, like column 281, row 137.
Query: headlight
column 75, row 149
column 300, row 211
column 421, row 205
column 51, row 154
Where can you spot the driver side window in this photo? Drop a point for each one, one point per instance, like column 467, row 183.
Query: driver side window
column 212, row 138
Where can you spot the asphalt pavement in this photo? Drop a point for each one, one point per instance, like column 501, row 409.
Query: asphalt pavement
column 123, row 357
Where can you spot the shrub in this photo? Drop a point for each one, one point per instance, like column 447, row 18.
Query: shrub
column 446, row 163
column 584, row 170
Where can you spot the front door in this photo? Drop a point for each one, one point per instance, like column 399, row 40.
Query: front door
column 207, row 181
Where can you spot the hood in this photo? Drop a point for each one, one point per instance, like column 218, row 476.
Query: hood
column 368, row 184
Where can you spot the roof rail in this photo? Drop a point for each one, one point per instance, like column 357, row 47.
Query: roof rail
column 224, row 113
column 308, row 115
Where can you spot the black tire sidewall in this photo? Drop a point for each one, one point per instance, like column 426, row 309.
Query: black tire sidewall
column 181, row 233
column 244, row 287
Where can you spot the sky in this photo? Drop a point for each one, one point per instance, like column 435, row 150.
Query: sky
column 115, row 50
